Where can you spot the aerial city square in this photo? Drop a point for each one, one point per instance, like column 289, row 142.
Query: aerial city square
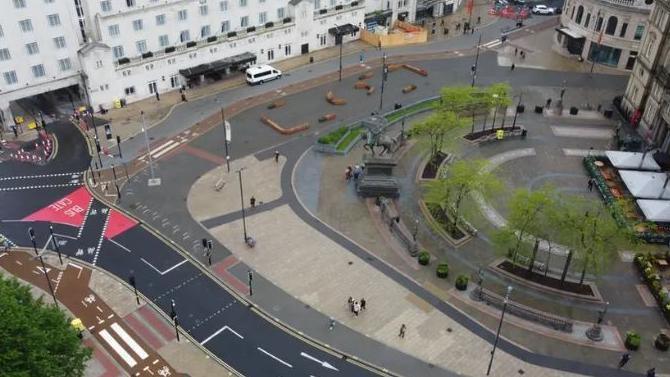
column 344, row 188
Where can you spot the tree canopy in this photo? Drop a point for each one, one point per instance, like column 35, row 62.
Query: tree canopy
column 36, row 339
column 435, row 127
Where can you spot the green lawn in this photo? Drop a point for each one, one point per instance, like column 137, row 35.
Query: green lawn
column 334, row 136
column 349, row 139
column 431, row 104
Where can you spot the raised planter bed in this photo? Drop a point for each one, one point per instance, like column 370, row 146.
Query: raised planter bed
column 409, row 88
column 327, row 117
column 277, row 104
column 490, row 134
column 339, row 141
column 430, row 168
column 646, row 266
column 439, row 225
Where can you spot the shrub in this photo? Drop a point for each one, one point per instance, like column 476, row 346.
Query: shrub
column 462, row 282
column 442, row 270
column 662, row 342
column 632, row 340
column 424, row 258
column 333, row 137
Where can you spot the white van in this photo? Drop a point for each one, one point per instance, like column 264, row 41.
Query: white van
column 259, row 74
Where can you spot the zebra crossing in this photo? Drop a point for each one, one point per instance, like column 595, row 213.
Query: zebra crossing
column 491, row 45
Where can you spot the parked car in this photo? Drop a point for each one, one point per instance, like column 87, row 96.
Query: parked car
column 544, row 10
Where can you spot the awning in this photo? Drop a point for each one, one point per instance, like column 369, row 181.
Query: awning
column 645, row 185
column 655, row 210
column 631, row 160
column 343, row 29
column 219, row 65
column 570, row 33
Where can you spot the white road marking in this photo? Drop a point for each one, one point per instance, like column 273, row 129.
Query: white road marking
column 161, row 147
column 83, row 223
column 129, row 341
column 73, row 174
column 39, row 187
column 582, row 132
column 102, row 238
column 117, row 348
column 492, row 44
column 119, row 245
column 164, row 151
column 65, row 236
column 78, row 267
column 324, row 364
column 274, row 357
column 166, row 271
column 217, row 332
column 581, row 152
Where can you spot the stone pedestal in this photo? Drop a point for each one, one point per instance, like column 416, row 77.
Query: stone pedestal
column 595, row 333
column 378, row 178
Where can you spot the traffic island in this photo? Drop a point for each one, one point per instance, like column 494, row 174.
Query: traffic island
column 284, row 131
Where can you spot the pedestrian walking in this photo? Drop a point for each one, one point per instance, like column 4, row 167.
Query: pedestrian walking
column 6, row 245
column 15, row 130
column 252, row 201
column 442, row 22
column 590, row 184
column 523, row 55
column 362, row 303
column 458, row 26
column 276, row 156
column 357, row 308
column 158, row 96
column 446, row 31
column 624, row 360
column 401, row 334
column 351, row 304
column 183, row 97
column 511, row 68
column 361, row 57
column 331, row 324
column 548, row 102
column 516, row 50
column 347, row 173
column 479, row 20
column 651, row 372
column 357, row 172
column 472, row 31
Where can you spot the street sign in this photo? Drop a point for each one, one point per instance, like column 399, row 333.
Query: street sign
column 154, row 182
column 108, row 131
column 226, row 124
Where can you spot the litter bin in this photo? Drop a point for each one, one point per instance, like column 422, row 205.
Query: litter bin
column 251, row 242
column 520, row 108
column 311, row 59
column 538, row 109
column 574, row 110
column 117, row 103
column 608, row 114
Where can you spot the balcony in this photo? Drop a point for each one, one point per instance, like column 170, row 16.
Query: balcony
column 325, row 12
column 630, row 4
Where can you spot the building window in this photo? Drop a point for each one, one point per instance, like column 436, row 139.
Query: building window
column 611, row 25
column 59, row 42
column 117, row 52
column 588, row 20
column 243, row 3
column 244, row 21
column 317, row 4
column 225, row 26
column 639, row 32
column 280, row 13
column 138, row 25
column 572, row 15
column 205, row 31
column 649, row 46
column 141, row 46
column 98, row 64
column 599, row 23
column 114, row 30
column 38, row 70
column 624, row 28
column 65, row 64
column 54, row 19
column 322, row 39
column 223, row 5
column 580, row 13
column 184, row 36
column 287, row 50
column 130, row 3
column 160, row 19
column 19, row 3
column 106, row 6
column 182, row 15
column 174, row 81
column 604, row 54
column 129, row 90
column 10, row 77
column 32, row 48
column 2, row 32
column 271, row 54
column 203, row 10
column 26, row 25
column 262, row 17
column 163, row 40
column 4, row 54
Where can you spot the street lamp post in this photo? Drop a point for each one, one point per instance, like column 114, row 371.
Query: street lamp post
column 118, row 191
column 31, row 233
column 244, row 220
column 474, row 67
column 226, row 136
column 133, row 283
column 55, row 243
column 502, row 316
column 516, row 111
column 595, row 332
column 152, row 181
column 416, row 229
column 339, row 38
column 175, row 318
column 385, row 72
column 495, row 111
column 596, row 51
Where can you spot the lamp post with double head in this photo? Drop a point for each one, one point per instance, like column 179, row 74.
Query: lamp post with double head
column 502, row 316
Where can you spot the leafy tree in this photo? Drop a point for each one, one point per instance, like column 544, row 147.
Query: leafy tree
column 499, row 97
column 530, row 214
column 435, row 127
column 36, row 339
column 464, row 177
column 464, row 100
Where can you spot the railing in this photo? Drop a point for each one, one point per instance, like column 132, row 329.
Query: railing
column 639, row 4
column 319, row 13
column 522, row 311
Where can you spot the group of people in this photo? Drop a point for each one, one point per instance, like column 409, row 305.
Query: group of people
column 354, row 172
column 625, row 358
column 356, row 306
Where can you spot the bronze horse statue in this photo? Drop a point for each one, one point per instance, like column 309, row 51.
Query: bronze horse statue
column 376, row 138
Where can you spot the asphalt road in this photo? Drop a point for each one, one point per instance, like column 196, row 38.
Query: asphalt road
column 91, row 231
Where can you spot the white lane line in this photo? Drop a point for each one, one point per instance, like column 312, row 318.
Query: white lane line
column 117, row 348
column 64, row 236
column 162, row 146
column 39, row 187
column 129, row 341
column 118, row 244
column 582, row 152
column 83, row 223
column 217, row 332
column 582, row 132
column 42, row 176
column 491, row 44
column 164, row 151
column 166, row 271
column 324, row 364
column 274, row 357
column 102, row 238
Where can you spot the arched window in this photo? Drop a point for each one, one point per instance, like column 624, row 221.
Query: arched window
column 572, row 15
column 588, row 20
column 580, row 13
column 611, row 25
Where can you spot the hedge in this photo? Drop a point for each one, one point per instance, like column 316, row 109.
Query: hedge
column 442, row 270
column 632, row 340
column 333, row 137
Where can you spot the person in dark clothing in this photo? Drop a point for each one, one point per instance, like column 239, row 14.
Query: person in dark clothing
column 624, row 358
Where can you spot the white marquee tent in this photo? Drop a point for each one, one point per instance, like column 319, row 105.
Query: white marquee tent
column 655, row 210
column 631, row 160
column 646, row 185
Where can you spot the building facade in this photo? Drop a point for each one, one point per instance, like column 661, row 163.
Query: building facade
column 646, row 101
column 607, row 32
column 127, row 50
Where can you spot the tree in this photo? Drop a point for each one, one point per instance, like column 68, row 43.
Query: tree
column 499, row 97
column 36, row 339
column 530, row 214
column 464, row 177
column 464, row 100
column 435, row 127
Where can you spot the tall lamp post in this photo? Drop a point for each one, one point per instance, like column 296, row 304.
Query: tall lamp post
column 502, row 316
column 153, row 181
column 175, row 318
column 385, row 73
column 474, row 66
column 250, row 275
column 339, row 38
column 516, row 111
column 244, row 220
column 55, row 243
column 599, row 23
column 226, row 137
column 31, row 233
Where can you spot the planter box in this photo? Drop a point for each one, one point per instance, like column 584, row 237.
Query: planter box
column 251, row 29
column 123, row 61
column 212, row 38
column 287, row 20
column 231, row 34
column 191, row 44
column 269, row 25
column 170, row 49
column 332, row 148
column 147, row 55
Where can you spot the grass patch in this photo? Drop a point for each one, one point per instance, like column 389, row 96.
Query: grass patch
column 353, row 135
column 334, row 136
column 430, row 104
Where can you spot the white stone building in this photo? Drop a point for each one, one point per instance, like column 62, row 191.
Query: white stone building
column 130, row 49
column 646, row 102
column 608, row 32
